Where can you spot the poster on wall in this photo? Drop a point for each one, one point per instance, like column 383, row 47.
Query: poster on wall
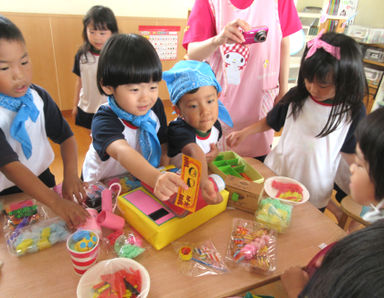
column 163, row 38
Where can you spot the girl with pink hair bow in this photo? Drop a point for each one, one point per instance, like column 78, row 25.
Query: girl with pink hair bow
column 319, row 116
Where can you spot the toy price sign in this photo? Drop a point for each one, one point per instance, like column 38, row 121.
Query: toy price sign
column 163, row 38
column 190, row 173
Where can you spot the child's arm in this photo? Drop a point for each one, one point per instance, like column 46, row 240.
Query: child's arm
column 72, row 213
column 76, row 96
column 72, row 185
column 207, row 189
column 211, row 155
column 294, row 281
column 164, row 159
column 164, row 184
column 236, row 137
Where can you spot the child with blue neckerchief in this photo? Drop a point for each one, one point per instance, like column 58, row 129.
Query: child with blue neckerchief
column 28, row 117
column 194, row 92
column 129, row 133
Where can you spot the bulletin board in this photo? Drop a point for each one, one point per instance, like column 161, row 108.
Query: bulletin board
column 163, row 38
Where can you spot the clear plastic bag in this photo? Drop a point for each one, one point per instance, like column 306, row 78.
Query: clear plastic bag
column 30, row 227
column 199, row 259
column 252, row 246
column 274, row 214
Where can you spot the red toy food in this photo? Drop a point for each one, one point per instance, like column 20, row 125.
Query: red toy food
column 288, row 191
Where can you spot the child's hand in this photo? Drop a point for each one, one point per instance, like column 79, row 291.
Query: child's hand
column 232, row 33
column 168, row 184
column 210, row 196
column 73, row 214
column 235, row 138
column 211, row 155
column 294, row 280
column 73, row 186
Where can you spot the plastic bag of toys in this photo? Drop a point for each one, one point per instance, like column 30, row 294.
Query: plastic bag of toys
column 274, row 214
column 29, row 227
column 199, row 259
column 252, row 246
column 127, row 182
column 126, row 244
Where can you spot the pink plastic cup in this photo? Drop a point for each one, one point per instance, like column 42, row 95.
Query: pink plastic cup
column 82, row 261
column 110, row 220
column 106, row 200
column 91, row 224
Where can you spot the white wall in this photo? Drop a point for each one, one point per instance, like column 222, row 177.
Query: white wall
column 137, row 8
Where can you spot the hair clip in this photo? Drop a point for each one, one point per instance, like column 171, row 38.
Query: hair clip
column 317, row 43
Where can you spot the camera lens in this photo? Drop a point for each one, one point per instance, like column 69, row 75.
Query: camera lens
column 260, row 36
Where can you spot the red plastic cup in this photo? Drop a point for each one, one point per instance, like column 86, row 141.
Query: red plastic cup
column 83, row 260
column 108, row 219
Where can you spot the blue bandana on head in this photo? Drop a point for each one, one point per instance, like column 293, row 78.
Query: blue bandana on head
column 25, row 108
column 188, row 75
column 148, row 140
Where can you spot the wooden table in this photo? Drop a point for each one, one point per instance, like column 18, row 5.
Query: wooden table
column 49, row 273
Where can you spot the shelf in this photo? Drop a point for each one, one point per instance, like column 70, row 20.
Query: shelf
column 309, row 15
column 373, row 86
column 374, row 62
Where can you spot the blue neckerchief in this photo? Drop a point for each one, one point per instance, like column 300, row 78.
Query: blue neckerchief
column 25, row 108
column 224, row 114
column 148, row 140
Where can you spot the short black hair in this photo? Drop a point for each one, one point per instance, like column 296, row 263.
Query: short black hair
column 353, row 267
column 9, row 30
column 370, row 137
column 128, row 59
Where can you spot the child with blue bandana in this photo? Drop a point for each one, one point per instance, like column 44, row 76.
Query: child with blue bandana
column 194, row 91
column 28, row 117
column 129, row 133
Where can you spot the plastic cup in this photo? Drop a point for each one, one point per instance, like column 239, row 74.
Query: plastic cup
column 218, row 182
column 91, row 224
column 106, row 200
column 83, row 260
column 110, row 220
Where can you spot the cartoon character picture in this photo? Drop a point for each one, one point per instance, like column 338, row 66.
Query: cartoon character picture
column 235, row 59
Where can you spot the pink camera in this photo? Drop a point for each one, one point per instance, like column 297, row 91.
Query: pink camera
column 257, row 34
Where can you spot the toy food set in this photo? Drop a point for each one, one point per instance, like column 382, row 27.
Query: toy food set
column 252, row 245
column 200, row 259
column 242, row 181
column 286, row 189
column 83, row 246
column 30, row 227
column 118, row 278
column 274, row 214
column 243, row 194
